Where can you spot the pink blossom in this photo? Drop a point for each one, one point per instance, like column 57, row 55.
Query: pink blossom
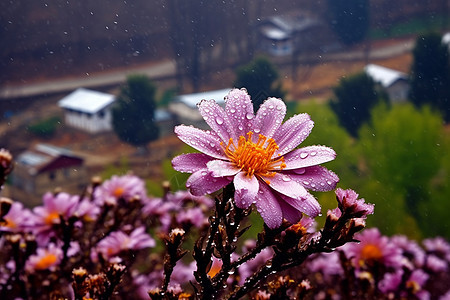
column 120, row 187
column 373, row 248
column 17, row 218
column 257, row 153
column 119, row 241
column 348, row 201
column 45, row 259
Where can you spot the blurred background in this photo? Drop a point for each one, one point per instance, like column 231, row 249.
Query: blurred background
column 95, row 87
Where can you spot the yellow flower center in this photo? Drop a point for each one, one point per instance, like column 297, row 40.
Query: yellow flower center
column 52, row 218
column 254, row 158
column 118, row 192
column 371, row 252
column 9, row 223
column 46, row 262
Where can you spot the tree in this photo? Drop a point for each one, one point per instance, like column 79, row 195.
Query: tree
column 260, row 78
column 403, row 152
column 133, row 115
column 355, row 96
column 430, row 74
column 349, row 19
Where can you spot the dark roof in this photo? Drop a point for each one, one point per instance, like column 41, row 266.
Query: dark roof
column 44, row 158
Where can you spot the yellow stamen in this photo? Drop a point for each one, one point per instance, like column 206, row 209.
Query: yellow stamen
column 9, row 223
column 254, row 158
column 118, row 192
column 371, row 252
column 46, row 262
column 51, row 218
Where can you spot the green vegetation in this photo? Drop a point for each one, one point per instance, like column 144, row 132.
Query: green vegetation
column 260, row 78
column 355, row 96
column 412, row 26
column 45, row 128
column 399, row 162
column 133, row 115
column 430, row 74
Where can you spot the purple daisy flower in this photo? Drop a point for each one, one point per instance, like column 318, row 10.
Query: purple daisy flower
column 373, row 248
column 118, row 241
column 258, row 154
column 125, row 187
column 45, row 259
column 17, row 218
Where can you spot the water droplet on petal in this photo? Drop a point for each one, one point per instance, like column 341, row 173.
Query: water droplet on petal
column 219, row 120
column 257, row 130
column 240, row 127
column 286, row 178
column 300, row 171
column 329, row 182
column 249, row 116
column 305, row 182
column 232, row 110
column 313, row 153
column 303, row 155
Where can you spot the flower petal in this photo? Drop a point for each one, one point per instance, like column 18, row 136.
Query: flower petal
column 239, row 109
column 201, row 140
column 216, row 118
column 308, row 156
column 268, row 206
column 290, row 213
column 269, row 117
column 202, row 182
column 315, row 178
column 191, row 162
column 220, row 168
column 293, row 132
column 284, row 184
column 307, row 205
column 247, row 188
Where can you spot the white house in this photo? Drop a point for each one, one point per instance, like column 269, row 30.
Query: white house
column 184, row 107
column 88, row 110
column 395, row 82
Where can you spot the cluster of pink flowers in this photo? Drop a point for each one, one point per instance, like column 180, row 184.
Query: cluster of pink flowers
column 383, row 267
column 109, row 225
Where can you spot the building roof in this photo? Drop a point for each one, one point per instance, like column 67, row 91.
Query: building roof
column 45, row 157
column 87, row 101
column 191, row 100
column 384, row 75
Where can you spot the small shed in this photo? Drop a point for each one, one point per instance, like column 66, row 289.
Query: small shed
column 395, row 82
column 184, row 107
column 44, row 167
column 88, row 110
column 282, row 35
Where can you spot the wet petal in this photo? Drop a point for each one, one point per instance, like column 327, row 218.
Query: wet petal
column 202, row 182
column 201, row 140
column 307, row 205
column 316, row 178
column 284, row 184
column 268, row 207
column 269, row 117
column 247, row 188
column 191, row 162
column 220, row 168
column 216, row 118
column 239, row 109
column 290, row 213
column 293, row 132
column 308, row 156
